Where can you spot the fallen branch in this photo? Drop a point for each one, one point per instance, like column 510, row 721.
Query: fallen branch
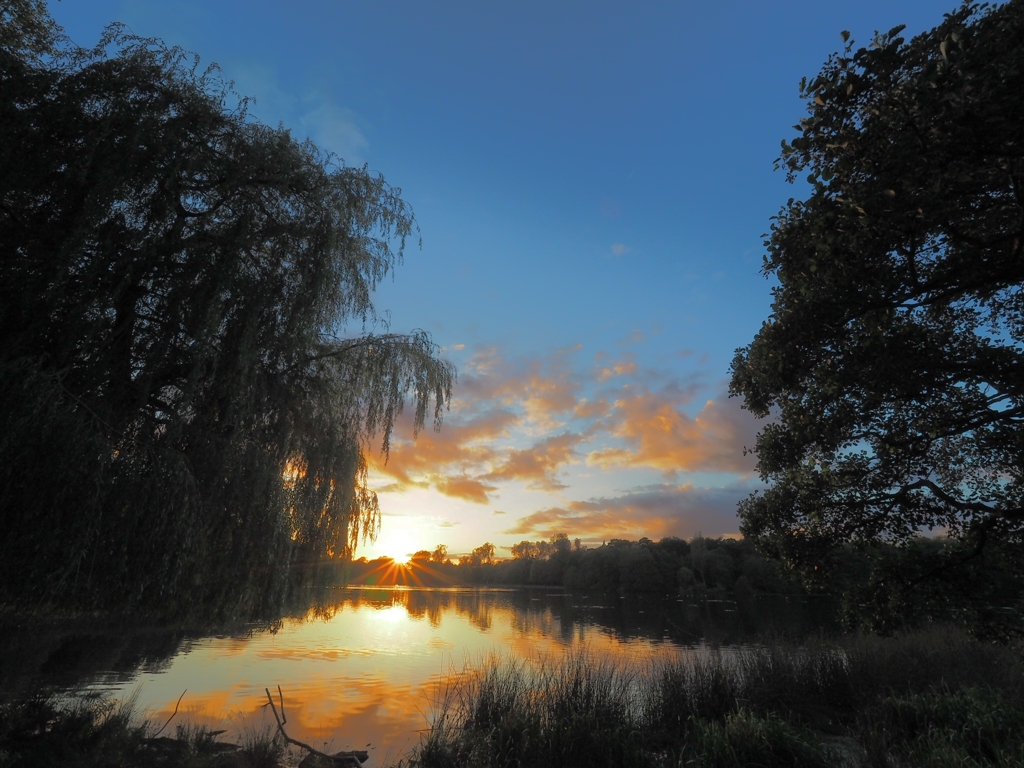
column 172, row 715
column 282, row 719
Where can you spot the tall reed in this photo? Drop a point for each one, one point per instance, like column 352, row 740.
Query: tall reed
column 855, row 701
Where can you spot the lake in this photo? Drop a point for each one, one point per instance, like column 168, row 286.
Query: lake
column 361, row 668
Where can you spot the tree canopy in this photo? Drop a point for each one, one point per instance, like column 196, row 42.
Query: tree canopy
column 891, row 369
column 184, row 404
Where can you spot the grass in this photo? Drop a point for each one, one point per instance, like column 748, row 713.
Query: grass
column 580, row 711
column 968, row 727
column 745, row 739
column 930, row 698
column 98, row 733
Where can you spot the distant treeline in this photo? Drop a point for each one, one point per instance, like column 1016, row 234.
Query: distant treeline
column 720, row 566
column 620, row 566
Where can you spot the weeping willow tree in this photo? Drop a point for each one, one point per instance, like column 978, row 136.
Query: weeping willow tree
column 183, row 414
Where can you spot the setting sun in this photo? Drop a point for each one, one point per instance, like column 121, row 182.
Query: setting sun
column 396, row 543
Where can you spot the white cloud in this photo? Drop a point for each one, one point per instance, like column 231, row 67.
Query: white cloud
column 335, row 129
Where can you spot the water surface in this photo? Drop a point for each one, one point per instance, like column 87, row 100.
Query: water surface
column 362, row 668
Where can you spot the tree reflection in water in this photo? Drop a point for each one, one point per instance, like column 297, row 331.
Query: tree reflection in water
column 366, row 665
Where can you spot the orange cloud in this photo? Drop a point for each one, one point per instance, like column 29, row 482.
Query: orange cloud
column 624, row 367
column 468, row 471
column 539, row 463
column 664, row 510
column 546, row 389
column 494, row 399
column 509, row 424
column 586, row 409
column 549, row 397
column 466, row 488
column 661, row 437
column 446, row 459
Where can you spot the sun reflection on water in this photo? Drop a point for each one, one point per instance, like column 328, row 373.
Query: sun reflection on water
column 367, row 666
column 392, row 614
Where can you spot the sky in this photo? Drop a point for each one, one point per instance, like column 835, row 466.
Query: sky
column 593, row 182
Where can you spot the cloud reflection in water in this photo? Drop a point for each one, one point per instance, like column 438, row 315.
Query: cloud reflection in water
column 365, row 668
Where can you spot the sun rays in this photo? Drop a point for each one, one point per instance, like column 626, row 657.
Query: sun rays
column 416, row 573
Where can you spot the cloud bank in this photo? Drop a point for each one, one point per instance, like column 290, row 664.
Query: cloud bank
column 531, row 423
column 655, row 512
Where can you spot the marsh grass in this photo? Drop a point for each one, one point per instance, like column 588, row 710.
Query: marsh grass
column 260, row 748
column 745, row 739
column 967, row 727
column 935, row 697
column 98, row 733
column 577, row 711
column 42, row 732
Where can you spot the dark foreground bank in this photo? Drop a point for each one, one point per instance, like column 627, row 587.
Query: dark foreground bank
column 934, row 697
column 931, row 698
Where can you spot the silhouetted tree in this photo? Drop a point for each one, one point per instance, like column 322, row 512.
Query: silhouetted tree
column 893, row 357
column 482, row 555
column 182, row 405
column 560, row 545
column 26, row 29
column 525, row 550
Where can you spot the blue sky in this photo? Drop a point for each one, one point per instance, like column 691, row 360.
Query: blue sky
column 592, row 181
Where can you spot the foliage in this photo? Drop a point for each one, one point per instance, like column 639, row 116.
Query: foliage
column 183, row 408
column 26, row 28
column 482, row 555
column 890, row 365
